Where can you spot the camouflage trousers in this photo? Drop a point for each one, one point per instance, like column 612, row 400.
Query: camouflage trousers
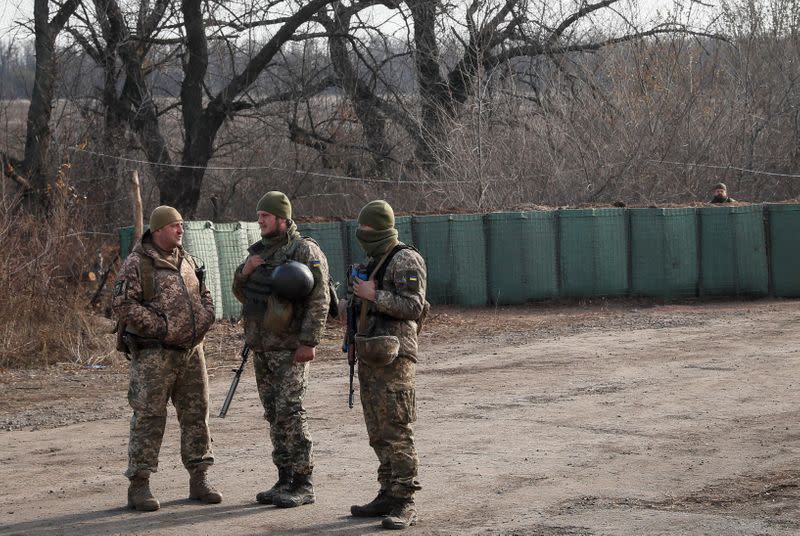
column 156, row 376
column 282, row 385
column 387, row 396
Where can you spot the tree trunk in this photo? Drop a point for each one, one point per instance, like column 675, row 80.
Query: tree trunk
column 37, row 136
column 434, row 96
column 364, row 101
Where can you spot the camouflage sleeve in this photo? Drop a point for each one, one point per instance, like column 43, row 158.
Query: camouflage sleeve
column 238, row 283
column 408, row 274
column 315, row 310
column 127, row 302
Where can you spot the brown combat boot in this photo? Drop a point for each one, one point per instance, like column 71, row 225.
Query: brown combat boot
column 285, row 476
column 403, row 514
column 379, row 506
column 139, row 495
column 299, row 492
column 200, row 489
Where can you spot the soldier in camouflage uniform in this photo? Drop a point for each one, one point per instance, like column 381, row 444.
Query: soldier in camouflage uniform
column 392, row 303
column 164, row 311
column 283, row 335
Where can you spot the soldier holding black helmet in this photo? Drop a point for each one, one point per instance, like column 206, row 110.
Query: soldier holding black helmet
column 283, row 327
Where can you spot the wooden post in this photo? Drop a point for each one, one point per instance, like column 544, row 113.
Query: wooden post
column 138, row 217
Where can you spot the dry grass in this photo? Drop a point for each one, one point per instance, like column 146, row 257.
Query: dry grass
column 44, row 316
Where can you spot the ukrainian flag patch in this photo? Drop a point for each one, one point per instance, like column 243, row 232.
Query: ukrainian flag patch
column 412, row 280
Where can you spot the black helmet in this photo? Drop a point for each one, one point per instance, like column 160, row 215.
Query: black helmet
column 292, row 281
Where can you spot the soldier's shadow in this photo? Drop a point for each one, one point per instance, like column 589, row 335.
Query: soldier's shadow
column 123, row 520
column 173, row 514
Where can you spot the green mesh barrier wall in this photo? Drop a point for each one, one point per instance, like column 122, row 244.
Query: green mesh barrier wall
column 404, row 230
column 231, row 241
column 454, row 250
column 733, row 251
column 521, row 257
column 784, row 237
column 253, row 231
column 125, row 241
column 515, row 257
column 355, row 254
column 329, row 237
column 663, row 252
column 198, row 240
column 593, row 252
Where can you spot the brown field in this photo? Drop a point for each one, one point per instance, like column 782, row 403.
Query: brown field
column 587, row 419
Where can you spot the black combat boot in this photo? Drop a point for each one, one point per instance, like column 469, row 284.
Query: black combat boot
column 403, row 514
column 200, row 489
column 139, row 495
column 285, row 476
column 379, row 506
column 301, row 491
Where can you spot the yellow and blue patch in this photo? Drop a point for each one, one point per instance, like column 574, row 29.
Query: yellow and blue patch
column 412, row 280
column 316, row 269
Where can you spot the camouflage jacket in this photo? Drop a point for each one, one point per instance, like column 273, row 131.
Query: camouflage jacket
column 399, row 301
column 309, row 316
column 181, row 310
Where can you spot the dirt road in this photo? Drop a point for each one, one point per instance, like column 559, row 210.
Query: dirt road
column 612, row 419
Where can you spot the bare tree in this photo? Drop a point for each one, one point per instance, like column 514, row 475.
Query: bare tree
column 30, row 171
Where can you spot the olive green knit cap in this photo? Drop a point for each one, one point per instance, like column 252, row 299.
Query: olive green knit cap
column 163, row 216
column 276, row 203
column 377, row 214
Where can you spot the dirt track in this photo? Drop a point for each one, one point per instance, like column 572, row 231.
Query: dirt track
column 548, row 420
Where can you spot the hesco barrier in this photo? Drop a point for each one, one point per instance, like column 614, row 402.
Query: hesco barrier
column 733, row 254
column 521, row 256
column 515, row 257
column 593, row 252
column 199, row 240
column 663, row 252
column 784, row 240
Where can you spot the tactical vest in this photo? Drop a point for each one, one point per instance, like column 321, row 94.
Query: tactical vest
column 258, row 286
column 147, row 278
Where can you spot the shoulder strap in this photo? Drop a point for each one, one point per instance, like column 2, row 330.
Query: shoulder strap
column 148, row 278
column 380, row 271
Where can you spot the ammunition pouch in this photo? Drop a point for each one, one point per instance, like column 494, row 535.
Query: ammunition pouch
column 278, row 316
column 377, row 351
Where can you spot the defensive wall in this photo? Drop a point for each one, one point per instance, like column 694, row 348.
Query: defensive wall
column 515, row 257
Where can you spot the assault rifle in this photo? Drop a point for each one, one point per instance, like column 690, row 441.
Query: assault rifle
column 235, row 382
column 349, row 345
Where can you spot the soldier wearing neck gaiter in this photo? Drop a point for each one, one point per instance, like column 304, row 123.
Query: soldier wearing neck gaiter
column 386, row 348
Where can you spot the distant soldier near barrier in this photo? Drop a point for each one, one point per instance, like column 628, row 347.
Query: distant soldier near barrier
column 283, row 286
column 164, row 310
column 721, row 194
column 390, row 306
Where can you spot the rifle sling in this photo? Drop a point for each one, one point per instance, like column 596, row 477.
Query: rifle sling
column 362, row 319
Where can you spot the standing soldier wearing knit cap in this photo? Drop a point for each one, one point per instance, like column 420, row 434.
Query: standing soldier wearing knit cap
column 392, row 307
column 164, row 310
column 283, row 331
